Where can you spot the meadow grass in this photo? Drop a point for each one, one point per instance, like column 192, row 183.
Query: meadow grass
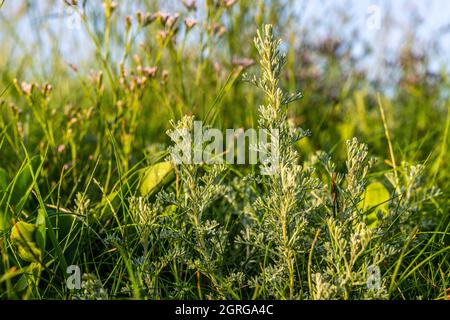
column 358, row 208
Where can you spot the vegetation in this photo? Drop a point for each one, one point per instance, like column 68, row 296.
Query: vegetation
column 91, row 186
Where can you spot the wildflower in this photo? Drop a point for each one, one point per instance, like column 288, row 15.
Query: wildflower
column 27, row 88
column 217, row 30
column 162, row 17
column 61, row 148
column 217, row 67
column 46, row 90
column 137, row 82
column 172, row 20
column 67, row 166
column 109, row 7
column 190, row 5
column 145, row 19
column 161, row 36
column 190, row 23
column 96, row 77
column 150, row 71
column 24, row 87
column 149, row 18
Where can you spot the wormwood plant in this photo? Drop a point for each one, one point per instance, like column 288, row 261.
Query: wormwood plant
column 201, row 186
column 309, row 236
column 280, row 212
column 288, row 204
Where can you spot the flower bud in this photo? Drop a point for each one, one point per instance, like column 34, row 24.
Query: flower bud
column 109, row 7
column 172, row 20
column 162, row 17
column 128, row 22
column 190, row 23
column 190, row 5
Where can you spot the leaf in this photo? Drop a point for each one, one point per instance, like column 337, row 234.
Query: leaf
column 41, row 229
column 155, row 177
column 23, row 237
column 375, row 203
column 5, row 219
column 4, row 215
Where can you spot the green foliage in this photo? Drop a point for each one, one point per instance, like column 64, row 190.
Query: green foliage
column 375, row 203
column 88, row 178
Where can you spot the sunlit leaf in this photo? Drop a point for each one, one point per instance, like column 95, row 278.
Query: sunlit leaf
column 23, row 237
column 41, row 229
column 155, row 177
column 375, row 203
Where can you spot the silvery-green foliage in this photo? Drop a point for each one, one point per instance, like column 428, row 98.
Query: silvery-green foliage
column 280, row 213
column 358, row 165
column 203, row 239
column 91, row 288
column 144, row 215
column 293, row 203
column 349, row 247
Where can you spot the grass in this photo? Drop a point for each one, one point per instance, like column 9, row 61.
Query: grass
column 358, row 209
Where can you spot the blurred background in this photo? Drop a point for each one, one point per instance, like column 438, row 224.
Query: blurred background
column 340, row 54
column 381, row 26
